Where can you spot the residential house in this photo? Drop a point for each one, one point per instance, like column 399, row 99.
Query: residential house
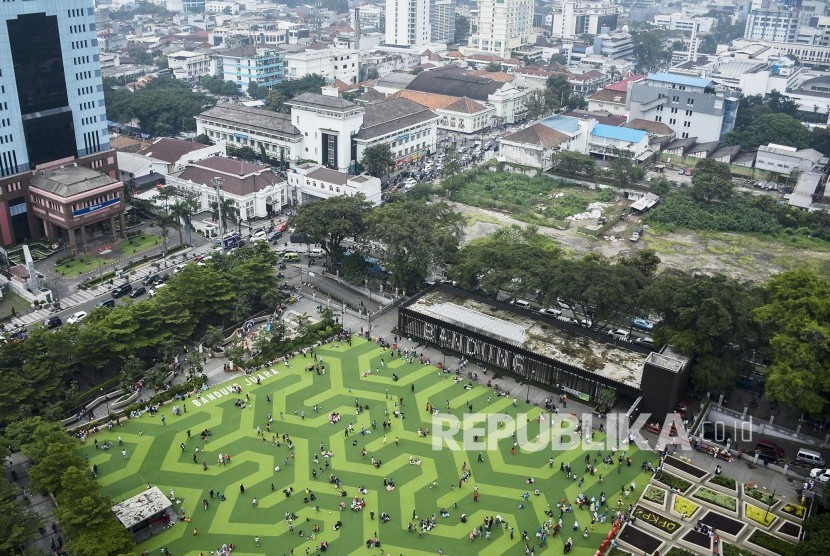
column 309, row 182
column 533, row 146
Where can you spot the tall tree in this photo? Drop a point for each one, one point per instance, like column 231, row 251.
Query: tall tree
column 330, row 221
column 452, row 167
column 649, row 51
column 711, row 181
column 18, row 525
column 773, row 127
column 377, row 160
column 182, row 210
column 417, row 237
column 796, row 317
column 535, row 104
column 557, row 92
column 462, row 27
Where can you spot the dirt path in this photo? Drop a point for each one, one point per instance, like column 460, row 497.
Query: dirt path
column 740, row 256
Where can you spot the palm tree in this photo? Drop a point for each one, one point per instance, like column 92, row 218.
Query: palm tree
column 182, row 211
column 229, row 211
column 165, row 222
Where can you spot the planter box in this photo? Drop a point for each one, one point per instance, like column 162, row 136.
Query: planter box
column 685, row 469
column 654, row 505
column 728, row 528
column 687, row 541
column 789, row 516
column 638, row 541
column 759, row 549
column 658, row 482
column 755, row 501
column 732, row 513
column 758, row 524
column 733, row 492
column 789, row 530
column 684, row 517
column 649, row 520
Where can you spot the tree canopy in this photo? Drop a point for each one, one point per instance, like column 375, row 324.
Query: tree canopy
column 377, row 160
column 775, row 127
column 330, row 221
column 796, row 317
column 711, row 181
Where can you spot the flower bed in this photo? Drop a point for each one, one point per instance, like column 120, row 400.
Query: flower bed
column 655, row 495
column 732, row 550
column 684, row 506
column 790, row 529
column 674, row 482
column 767, row 541
column 698, row 539
column 639, row 539
column 674, row 551
column 665, row 525
column 756, row 514
column 795, row 510
column 716, row 498
column 724, row 525
column 762, row 496
column 725, row 482
column 687, row 468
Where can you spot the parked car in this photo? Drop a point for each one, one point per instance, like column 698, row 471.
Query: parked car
column 105, row 303
column 121, row 290
column 178, row 268
column 138, row 292
column 619, row 334
column 260, row 236
column 646, row 341
column 151, row 279
column 153, row 292
column 551, row 311
column 52, row 322
column 76, row 317
column 821, row 475
column 642, row 324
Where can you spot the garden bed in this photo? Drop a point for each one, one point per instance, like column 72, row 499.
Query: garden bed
column 759, row 516
column 686, row 468
column 727, row 485
column 732, row 550
column 715, row 498
column 767, row 544
column 678, row 484
column 655, row 496
column 794, row 511
column 761, row 495
column 639, row 539
column 662, row 525
column 684, row 507
column 698, row 539
column 726, row 526
column 790, row 529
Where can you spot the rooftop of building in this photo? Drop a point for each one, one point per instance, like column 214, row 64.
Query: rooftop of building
column 253, row 118
column 328, row 175
column 784, row 150
column 395, row 79
column 141, row 507
column 677, row 79
column 452, row 81
column 70, row 180
column 563, row 124
column 535, row 335
column 656, row 128
column 321, row 102
column 245, row 51
column 240, row 178
column 466, row 105
column 538, row 135
column 392, row 115
column 618, row 133
column 609, row 95
column 170, row 149
column 133, row 162
column 429, row 100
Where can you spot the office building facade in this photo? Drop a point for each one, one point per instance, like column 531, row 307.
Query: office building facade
column 408, row 22
column 503, row 25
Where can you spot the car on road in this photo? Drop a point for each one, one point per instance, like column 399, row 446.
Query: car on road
column 76, row 317
column 619, row 334
column 820, row 475
column 105, row 303
column 151, row 279
column 154, row 291
column 260, row 236
column 121, row 290
column 138, row 292
column 642, row 324
column 409, row 183
column 178, row 268
column 645, row 341
column 551, row 311
column 52, row 322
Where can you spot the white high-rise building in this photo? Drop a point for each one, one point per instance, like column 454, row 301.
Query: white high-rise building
column 51, row 96
column 573, row 18
column 408, row 22
column 776, row 25
column 503, row 25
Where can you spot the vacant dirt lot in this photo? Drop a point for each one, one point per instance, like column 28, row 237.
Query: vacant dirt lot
column 740, row 256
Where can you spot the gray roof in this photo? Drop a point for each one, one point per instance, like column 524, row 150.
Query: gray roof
column 329, row 176
column 386, row 117
column 370, row 96
column 395, row 79
column 723, row 152
column 71, row 180
column 316, row 100
column 141, row 507
column 454, row 83
column 682, row 144
column 807, row 185
column 708, row 148
column 254, row 118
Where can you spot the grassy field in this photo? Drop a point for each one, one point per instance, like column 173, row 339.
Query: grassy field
column 155, row 457
column 538, row 200
column 89, row 263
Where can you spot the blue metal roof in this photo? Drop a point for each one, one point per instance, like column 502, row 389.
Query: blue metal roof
column 618, row 133
column 680, row 79
column 563, row 124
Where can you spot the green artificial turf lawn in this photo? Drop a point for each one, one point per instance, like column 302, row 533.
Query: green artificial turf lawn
column 155, row 457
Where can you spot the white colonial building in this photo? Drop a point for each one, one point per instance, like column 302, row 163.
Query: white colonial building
column 190, row 66
column 333, row 63
column 308, row 182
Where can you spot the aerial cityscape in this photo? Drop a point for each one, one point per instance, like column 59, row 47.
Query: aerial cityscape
column 415, row 277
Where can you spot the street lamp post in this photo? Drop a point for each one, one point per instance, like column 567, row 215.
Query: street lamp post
column 527, row 397
column 218, row 183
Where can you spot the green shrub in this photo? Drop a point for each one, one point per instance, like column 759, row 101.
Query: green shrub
column 675, row 482
column 796, row 510
column 759, row 495
column 774, row 544
column 716, row 498
column 654, row 494
column 726, row 482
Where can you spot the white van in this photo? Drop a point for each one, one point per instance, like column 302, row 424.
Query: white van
column 522, row 303
column 809, row 457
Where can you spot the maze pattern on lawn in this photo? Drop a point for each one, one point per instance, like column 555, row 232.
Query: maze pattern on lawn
column 155, row 457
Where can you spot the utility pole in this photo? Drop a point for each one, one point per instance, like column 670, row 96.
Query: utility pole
column 218, row 183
